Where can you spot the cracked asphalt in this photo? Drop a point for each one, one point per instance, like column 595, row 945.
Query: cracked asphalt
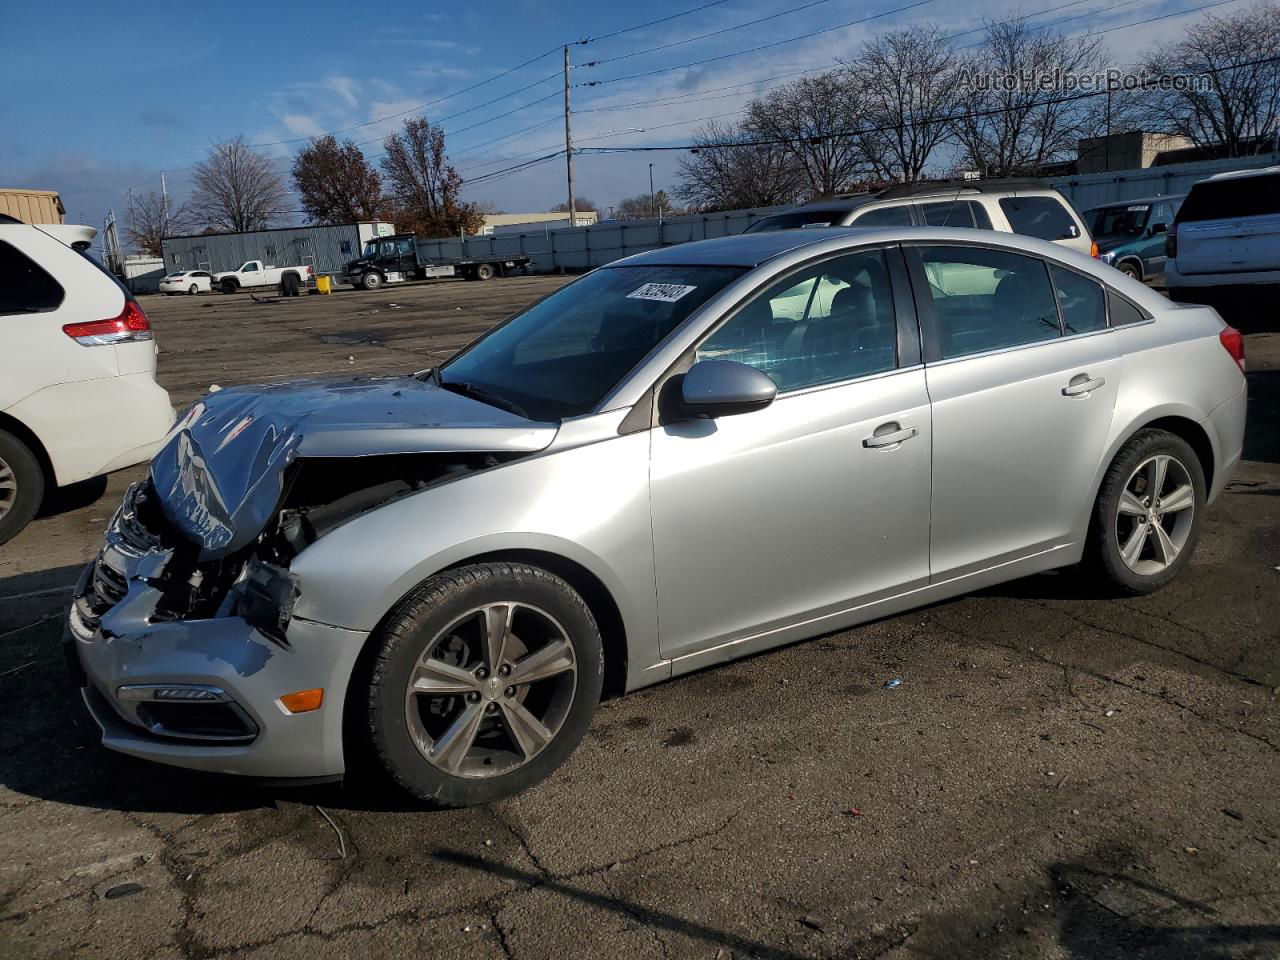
column 1058, row 775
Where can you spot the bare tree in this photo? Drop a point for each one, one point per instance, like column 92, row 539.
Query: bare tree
column 151, row 219
column 1017, row 127
column 425, row 185
column 1242, row 107
column 908, row 81
column 812, row 119
column 646, row 206
column 236, row 189
column 579, row 204
column 725, row 174
column 336, row 183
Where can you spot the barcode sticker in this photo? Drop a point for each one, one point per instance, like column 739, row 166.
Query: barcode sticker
column 666, row 292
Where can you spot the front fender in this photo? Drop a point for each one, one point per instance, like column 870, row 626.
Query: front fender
column 589, row 504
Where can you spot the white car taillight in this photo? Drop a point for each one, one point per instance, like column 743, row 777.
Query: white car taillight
column 130, row 326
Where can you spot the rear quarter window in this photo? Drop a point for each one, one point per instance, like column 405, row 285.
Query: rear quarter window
column 1122, row 311
column 1039, row 216
column 25, row 286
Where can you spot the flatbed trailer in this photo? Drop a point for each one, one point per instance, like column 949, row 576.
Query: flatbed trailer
column 395, row 259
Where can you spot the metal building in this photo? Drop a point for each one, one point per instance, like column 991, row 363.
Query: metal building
column 326, row 249
column 32, row 206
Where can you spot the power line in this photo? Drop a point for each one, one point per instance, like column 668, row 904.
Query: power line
column 704, row 36
column 651, row 23
column 765, row 46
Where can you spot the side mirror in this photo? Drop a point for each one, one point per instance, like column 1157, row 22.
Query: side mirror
column 1159, row 228
column 722, row 388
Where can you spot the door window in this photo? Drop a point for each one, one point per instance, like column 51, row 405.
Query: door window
column 25, row 286
column 1080, row 299
column 899, row 216
column 405, row 247
column 250, row 267
column 1039, row 216
column 988, row 299
column 956, row 213
column 1162, row 215
column 834, row 321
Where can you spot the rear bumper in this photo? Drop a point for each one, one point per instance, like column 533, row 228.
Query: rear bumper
column 122, row 662
column 1226, row 425
column 92, row 427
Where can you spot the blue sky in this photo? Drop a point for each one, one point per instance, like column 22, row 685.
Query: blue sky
column 101, row 97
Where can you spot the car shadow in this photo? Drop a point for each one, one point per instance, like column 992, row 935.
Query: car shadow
column 74, row 496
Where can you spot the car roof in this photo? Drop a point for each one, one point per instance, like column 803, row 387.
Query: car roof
column 1235, row 174
column 740, row 250
column 1167, row 198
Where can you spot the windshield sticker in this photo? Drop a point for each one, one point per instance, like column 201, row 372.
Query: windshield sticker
column 816, row 223
column 1137, row 208
column 665, row 292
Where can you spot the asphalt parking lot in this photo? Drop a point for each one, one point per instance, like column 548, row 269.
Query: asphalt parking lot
column 1057, row 775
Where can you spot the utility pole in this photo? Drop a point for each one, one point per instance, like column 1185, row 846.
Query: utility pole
column 568, row 141
column 653, row 201
column 164, row 193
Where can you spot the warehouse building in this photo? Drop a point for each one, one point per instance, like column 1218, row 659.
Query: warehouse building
column 32, row 206
column 497, row 224
column 326, row 249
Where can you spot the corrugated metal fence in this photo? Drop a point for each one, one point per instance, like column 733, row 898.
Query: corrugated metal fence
column 584, row 247
column 1091, row 190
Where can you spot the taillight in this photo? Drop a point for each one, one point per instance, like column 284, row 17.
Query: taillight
column 1093, row 249
column 1171, row 241
column 132, row 325
column 310, row 272
column 1233, row 343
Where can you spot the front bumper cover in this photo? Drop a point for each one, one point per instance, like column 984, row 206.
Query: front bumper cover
column 121, row 660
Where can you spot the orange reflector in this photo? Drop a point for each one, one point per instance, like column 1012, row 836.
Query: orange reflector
column 303, row 700
column 1093, row 249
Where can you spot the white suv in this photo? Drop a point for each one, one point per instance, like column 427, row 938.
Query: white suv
column 1027, row 207
column 78, row 396
column 1226, row 236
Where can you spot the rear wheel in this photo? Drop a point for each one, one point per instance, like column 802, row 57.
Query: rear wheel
column 1146, row 520
column 192, row 290
column 484, row 271
column 484, row 682
column 21, row 485
column 289, row 285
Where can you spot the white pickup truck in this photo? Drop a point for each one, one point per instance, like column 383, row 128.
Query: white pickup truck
column 254, row 273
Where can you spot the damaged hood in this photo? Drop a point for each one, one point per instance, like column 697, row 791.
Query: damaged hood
column 219, row 475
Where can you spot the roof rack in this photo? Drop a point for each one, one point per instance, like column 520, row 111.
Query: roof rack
column 992, row 185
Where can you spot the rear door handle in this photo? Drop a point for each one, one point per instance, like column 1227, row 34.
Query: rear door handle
column 1081, row 385
column 892, row 435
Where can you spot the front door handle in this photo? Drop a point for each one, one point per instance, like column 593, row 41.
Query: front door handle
column 1082, row 386
column 889, row 435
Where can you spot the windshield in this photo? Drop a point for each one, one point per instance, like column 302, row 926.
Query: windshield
column 564, row 355
column 798, row 219
column 1126, row 221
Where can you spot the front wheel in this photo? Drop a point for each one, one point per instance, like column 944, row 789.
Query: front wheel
column 229, row 286
column 371, row 281
column 1129, row 270
column 485, row 680
column 1146, row 520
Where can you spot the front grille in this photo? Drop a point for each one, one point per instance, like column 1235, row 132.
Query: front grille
column 140, row 521
column 108, row 586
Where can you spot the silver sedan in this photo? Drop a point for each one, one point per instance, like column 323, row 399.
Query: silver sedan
column 685, row 457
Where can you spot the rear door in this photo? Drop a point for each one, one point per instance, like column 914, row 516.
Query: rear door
column 1021, row 412
column 1230, row 226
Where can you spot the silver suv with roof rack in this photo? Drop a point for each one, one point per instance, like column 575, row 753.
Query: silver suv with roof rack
column 1024, row 206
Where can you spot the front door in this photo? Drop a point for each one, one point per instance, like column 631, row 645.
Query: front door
column 816, row 503
column 1022, row 371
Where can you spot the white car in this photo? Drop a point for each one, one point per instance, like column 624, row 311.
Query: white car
column 187, row 281
column 1226, row 238
column 78, row 395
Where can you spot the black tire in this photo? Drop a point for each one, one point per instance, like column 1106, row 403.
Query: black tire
column 1129, row 270
column 371, row 280
column 441, row 604
column 485, row 271
column 1105, row 533
column 230, row 286
column 21, row 485
column 192, row 290
column 289, row 285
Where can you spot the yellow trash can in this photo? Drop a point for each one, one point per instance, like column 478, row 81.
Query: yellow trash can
column 323, row 284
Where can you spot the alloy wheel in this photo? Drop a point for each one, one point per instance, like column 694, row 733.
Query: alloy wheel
column 8, row 488
column 1155, row 514
column 491, row 690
